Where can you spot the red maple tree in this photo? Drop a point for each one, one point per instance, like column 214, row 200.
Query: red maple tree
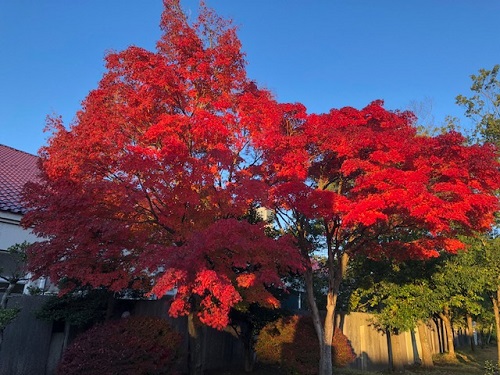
column 154, row 179
column 375, row 187
column 152, row 182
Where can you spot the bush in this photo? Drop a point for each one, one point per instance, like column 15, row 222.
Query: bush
column 7, row 316
column 82, row 307
column 292, row 343
column 131, row 346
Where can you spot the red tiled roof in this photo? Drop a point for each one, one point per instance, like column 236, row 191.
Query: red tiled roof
column 16, row 168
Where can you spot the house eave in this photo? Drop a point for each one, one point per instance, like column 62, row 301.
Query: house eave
column 10, row 218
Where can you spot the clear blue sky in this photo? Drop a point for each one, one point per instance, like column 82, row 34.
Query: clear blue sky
column 323, row 53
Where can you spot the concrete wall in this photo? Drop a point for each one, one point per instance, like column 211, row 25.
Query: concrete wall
column 370, row 345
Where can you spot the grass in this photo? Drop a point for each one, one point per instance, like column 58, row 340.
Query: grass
column 467, row 363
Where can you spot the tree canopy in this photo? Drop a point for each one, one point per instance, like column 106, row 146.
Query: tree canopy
column 376, row 188
column 150, row 187
column 483, row 106
column 152, row 182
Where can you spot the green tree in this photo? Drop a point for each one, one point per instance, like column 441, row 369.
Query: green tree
column 488, row 268
column 399, row 293
column 12, row 274
column 483, row 106
column 460, row 290
column 405, row 295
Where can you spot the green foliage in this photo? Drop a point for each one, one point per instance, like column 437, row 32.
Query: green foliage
column 484, row 104
column 402, row 293
column 18, row 250
column 132, row 346
column 490, row 368
column 7, row 316
column 255, row 316
column 18, row 254
column 12, row 276
column 81, row 308
column 292, row 343
column 399, row 293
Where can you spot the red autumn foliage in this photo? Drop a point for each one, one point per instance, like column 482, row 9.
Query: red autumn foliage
column 376, row 188
column 152, row 181
column 292, row 344
column 131, row 346
column 378, row 184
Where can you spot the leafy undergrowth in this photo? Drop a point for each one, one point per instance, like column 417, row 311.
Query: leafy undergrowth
column 467, row 363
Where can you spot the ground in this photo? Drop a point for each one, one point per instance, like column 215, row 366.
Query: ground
column 468, row 363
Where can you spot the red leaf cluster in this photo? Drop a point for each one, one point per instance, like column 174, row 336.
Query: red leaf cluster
column 378, row 186
column 152, row 182
column 132, row 346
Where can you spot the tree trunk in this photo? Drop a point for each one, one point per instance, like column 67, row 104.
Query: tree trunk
column 5, row 297
column 337, row 265
column 397, row 354
column 248, row 345
column 326, row 365
column 440, row 333
column 445, row 316
column 249, row 358
column 3, row 302
column 470, row 332
column 308, row 276
column 337, row 269
column 426, row 355
column 110, row 307
column 495, row 299
column 195, row 347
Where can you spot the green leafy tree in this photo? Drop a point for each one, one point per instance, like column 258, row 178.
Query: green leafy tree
column 399, row 293
column 14, row 273
column 483, row 106
column 458, row 291
column 407, row 294
column 487, row 268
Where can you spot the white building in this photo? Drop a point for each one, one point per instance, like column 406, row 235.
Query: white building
column 16, row 169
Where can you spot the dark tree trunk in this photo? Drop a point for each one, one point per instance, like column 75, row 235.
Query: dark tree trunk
column 315, row 317
column 195, row 347
column 3, row 302
column 396, row 353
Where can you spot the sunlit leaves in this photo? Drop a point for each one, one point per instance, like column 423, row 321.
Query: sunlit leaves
column 152, row 182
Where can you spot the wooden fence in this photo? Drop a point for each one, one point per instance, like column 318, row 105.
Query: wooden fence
column 34, row 347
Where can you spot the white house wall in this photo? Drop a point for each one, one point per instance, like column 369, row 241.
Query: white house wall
column 11, row 232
